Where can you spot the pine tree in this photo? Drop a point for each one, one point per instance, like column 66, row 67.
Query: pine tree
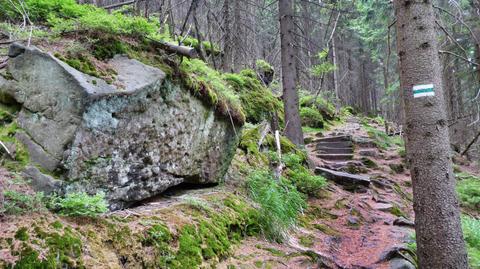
column 437, row 214
column 293, row 128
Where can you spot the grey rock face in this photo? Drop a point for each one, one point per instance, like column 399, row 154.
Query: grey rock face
column 399, row 263
column 132, row 141
column 40, row 182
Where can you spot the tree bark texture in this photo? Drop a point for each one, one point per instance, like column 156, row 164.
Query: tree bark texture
column 293, row 128
column 437, row 214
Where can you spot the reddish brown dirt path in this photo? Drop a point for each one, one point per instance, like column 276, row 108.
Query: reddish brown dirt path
column 364, row 223
column 352, row 228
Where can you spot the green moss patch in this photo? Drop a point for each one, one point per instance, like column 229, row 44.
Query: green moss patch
column 209, row 85
column 60, row 249
column 468, row 189
column 258, row 102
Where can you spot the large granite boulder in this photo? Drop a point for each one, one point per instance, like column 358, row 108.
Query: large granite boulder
column 131, row 141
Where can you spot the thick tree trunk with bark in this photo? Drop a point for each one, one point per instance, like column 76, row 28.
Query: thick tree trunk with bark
column 293, row 128
column 437, row 213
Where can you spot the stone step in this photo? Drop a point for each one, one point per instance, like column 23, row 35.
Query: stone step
column 364, row 142
column 343, row 178
column 328, row 150
column 335, row 156
column 341, row 144
column 338, row 138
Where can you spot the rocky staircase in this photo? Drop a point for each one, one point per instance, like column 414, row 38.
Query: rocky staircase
column 337, row 148
column 336, row 154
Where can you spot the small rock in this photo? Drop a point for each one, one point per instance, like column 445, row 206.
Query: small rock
column 353, row 221
column 41, row 182
column 399, row 263
column 344, row 178
column 368, row 152
column 15, row 50
column 36, row 152
column 401, row 221
column 384, row 207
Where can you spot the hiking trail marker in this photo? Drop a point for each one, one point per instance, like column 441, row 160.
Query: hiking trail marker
column 423, row 90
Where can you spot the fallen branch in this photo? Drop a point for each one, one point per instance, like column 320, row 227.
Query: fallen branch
column 6, row 150
column 178, row 49
column 263, row 134
column 470, row 144
column 119, row 4
column 279, row 167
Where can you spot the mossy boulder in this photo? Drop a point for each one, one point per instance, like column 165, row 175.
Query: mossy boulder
column 131, row 139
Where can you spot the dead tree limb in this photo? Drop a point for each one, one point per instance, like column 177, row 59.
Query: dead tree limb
column 178, row 49
column 471, row 144
column 119, row 4
column 458, row 56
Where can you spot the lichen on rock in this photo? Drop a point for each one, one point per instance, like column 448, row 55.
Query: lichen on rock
column 131, row 139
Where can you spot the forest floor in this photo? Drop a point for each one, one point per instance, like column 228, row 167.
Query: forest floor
column 369, row 227
column 364, row 227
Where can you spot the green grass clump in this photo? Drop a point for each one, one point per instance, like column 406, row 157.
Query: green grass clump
column 207, row 46
column 398, row 212
column 8, row 129
column 80, row 204
column 264, row 66
column 280, row 203
column 468, row 189
column 210, row 86
column 301, row 177
column 307, row 241
column 251, row 137
column 380, row 138
column 59, row 249
column 311, row 117
column 471, row 234
column 17, row 203
column 326, row 108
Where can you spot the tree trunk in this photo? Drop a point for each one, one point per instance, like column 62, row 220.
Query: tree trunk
column 335, row 76
column 293, row 128
column 437, row 213
column 239, row 36
column 227, row 43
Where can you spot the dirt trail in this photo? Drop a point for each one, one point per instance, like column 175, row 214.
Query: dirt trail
column 354, row 228
column 366, row 215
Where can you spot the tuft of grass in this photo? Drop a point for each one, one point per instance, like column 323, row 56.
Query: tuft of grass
column 471, row 234
column 79, row 204
column 307, row 241
column 322, row 105
column 380, row 138
column 468, row 189
column 301, row 177
column 280, row 203
column 17, row 203
column 210, row 86
column 311, row 117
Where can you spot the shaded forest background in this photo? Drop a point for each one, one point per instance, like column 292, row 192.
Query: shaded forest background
column 345, row 50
